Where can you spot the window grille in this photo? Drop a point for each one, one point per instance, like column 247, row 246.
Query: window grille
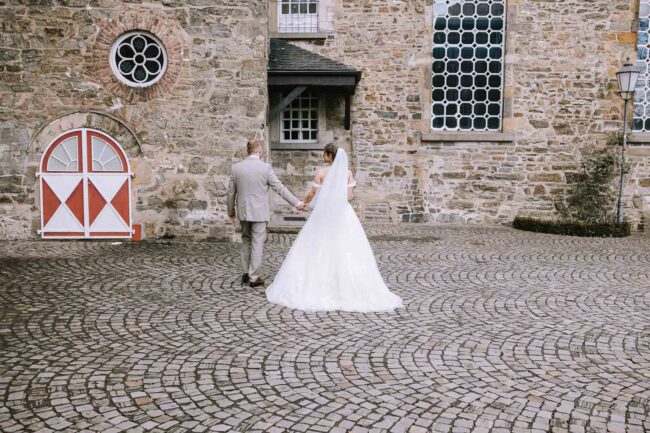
column 299, row 122
column 138, row 59
column 642, row 95
column 298, row 16
column 467, row 69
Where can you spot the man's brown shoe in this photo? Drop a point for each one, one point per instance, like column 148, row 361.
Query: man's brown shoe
column 245, row 279
column 257, row 283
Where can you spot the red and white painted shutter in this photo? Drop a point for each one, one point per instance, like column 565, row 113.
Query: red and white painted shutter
column 85, row 188
column 109, row 188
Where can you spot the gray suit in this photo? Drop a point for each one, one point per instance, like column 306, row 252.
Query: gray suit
column 248, row 197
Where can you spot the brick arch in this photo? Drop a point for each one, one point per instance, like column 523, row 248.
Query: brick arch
column 127, row 19
column 105, row 122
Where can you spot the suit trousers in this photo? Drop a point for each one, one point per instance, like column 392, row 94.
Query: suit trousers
column 253, row 235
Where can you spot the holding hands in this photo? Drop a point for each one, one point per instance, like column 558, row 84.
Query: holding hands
column 300, row 206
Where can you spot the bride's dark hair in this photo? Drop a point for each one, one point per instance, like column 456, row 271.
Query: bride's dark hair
column 330, row 150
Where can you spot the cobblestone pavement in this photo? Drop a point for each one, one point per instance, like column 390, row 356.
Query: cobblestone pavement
column 501, row 331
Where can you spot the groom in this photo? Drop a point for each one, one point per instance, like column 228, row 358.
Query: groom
column 248, row 193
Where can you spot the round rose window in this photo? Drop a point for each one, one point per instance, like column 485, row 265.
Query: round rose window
column 138, row 59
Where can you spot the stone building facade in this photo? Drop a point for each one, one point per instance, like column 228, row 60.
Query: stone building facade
column 559, row 99
column 554, row 98
column 180, row 134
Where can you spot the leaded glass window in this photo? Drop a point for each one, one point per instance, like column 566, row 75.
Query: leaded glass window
column 642, row 94
column 299, row 122
column 105, row 158
column 467, row 69
column 297, row 16
column 65, row 157
column 138, row 59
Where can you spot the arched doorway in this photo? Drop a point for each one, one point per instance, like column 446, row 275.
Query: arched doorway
column 85, row 182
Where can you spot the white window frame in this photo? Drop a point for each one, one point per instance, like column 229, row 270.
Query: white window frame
column 115, row 66
column 298, row 22
column 314, row 107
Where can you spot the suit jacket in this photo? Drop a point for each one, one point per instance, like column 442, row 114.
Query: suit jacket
column 249, row 188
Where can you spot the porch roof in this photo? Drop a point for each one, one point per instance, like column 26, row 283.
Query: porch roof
column 291, row 66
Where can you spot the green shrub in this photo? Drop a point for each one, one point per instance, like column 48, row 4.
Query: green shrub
column 573, row 228
column 589, row 208
column 592, row 195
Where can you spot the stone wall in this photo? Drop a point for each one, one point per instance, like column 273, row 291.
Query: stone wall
column 54, row 75
column 559, row 101
column 182, row 134
column 297, row 168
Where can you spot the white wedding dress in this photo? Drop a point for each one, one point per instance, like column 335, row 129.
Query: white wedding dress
column 330, row 265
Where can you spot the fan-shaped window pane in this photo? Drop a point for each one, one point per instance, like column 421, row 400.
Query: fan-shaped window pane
column 105, row 158
column 65, row 157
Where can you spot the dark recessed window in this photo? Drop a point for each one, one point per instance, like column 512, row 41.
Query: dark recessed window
column 299, row 122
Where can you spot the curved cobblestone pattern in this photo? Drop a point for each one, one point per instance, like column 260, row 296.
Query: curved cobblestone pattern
column 501, row 331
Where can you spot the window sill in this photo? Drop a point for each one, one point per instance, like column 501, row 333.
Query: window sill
column 299, row 35
column 493, row 137
column 276, row 145
column 639, row 138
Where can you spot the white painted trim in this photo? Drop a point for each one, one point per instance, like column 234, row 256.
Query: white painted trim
column 84, row 172
column 40, row 190
column 128, row 174
column 42, row 159
column 305, row 16
column 126, row 157
column 319, row 116
column 82, row 237
column 130, row 221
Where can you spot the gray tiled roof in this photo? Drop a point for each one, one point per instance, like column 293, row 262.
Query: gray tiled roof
column 288, row 57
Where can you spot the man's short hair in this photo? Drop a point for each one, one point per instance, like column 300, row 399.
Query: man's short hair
column 253, row 146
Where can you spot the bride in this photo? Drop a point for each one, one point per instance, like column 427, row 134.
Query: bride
column 331, row 265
